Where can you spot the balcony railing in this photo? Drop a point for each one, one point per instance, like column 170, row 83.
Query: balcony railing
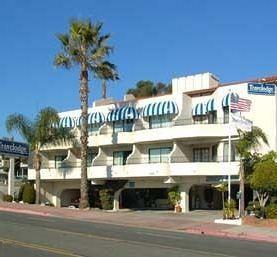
column 179, row 122
column 147, row 160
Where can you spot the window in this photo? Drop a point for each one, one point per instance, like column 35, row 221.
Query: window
column 225, row 152
column 94, row 128
column 212, row 117
column 159, row 155
column 91, row 156
column 199, row 119
column 160, row 121
column 226, row 114
column 120, row 157
column 21, row 173
column 58, row 160
column 214, row 153
column 201, row 154
column 123, row 126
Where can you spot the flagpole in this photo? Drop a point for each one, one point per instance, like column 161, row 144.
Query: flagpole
column 229, row 148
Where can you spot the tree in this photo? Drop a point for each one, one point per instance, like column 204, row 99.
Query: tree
column 147, row 88
column 264, row 178
column 39, row 133
column 248, row 141
column 84, row 46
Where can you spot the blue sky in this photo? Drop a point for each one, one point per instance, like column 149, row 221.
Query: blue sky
column 154, row 40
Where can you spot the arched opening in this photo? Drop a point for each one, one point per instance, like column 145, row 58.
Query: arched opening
column 70, row 197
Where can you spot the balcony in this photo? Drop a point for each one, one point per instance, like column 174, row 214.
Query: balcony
column 179, row 129
column 139, row 168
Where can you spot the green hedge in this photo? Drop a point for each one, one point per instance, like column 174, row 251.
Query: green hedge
column 28, row 193
column 271, row 211
column 106, row 198
column 7, row 198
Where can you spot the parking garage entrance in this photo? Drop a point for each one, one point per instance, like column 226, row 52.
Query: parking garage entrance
column 144, row 198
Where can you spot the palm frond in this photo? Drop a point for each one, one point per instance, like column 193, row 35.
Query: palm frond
column 62, row 60
column 20, row 124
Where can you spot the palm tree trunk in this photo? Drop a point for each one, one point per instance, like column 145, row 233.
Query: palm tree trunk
column 104, row 89
column 242, row 205
column 84, row 136
column 37, row 162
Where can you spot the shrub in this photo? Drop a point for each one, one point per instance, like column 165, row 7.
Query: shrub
column 271, row 211
column 7, row 198
column 229, row 210
column 106, row 198
column 174, row 196
column 29, row 193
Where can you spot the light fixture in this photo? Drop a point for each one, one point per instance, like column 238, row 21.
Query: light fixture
column 169, row 180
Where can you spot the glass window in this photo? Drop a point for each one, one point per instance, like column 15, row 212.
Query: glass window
column 212, row 117
column 94, row 128
column 214, row 153
column 159, row 155
column 128, row 125
column 199, row 119
column 160, row 121
column 120, row 157
column 118, row 126
column 201, row 154
column 226, row 114
column 58, row 160
column 225, row 152
column 123, row 126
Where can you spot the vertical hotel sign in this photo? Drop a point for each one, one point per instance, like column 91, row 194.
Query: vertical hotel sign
column 261, row 88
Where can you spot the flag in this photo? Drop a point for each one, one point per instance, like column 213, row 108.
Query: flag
column 240, row 104
column 241, row 123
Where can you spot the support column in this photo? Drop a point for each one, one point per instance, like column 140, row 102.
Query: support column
column 116, row 199
column 11, row 178
column 184, row 189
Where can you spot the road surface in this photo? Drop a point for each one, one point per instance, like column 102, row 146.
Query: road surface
column 27, row 235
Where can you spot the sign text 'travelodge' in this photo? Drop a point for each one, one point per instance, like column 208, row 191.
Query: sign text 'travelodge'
column 14, row 148
column 261, row 89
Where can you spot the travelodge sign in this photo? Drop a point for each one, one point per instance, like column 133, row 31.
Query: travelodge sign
column 261, row 88
column 12, row 148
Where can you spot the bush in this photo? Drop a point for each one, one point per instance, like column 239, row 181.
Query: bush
column 7, row 198
column 29, row 193
column 106, row 198
column 229, row 210
column 271, row 211
column 174, row 196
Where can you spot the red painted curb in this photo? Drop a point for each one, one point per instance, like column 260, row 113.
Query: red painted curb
column 44, row 214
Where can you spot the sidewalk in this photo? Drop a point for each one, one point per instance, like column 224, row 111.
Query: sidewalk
column 196, row 222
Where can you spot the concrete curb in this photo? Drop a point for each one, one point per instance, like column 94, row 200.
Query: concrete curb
column 44, row 214
column 196, row 231
column 241, row 236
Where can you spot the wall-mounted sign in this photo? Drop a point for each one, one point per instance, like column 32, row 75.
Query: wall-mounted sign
column 261, row 88
column 12, row 148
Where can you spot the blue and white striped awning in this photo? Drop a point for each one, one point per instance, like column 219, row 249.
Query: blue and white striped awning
column 93, row 118
column 123, row 113
column 160, row 108
column 199, row 110
column 210, row 106
column 67, row 122
column 227, row 99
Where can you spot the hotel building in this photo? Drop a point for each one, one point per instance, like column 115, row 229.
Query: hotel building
column 149, row 145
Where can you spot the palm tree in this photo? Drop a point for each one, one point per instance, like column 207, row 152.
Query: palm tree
column 39, row 133
column 248, row 141
column 106, row 71
column 85, row 47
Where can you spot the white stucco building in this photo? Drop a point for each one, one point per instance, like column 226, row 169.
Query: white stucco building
column 145, row 143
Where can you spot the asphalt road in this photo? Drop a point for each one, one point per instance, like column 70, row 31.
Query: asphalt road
column 27, row 235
